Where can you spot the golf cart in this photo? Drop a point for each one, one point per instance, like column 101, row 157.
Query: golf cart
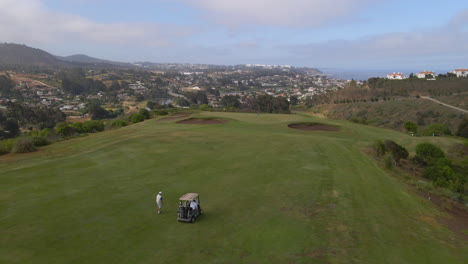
column 189, row 208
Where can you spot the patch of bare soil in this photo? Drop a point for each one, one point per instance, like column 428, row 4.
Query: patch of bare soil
column 174, row 117
column 202, row 121
column 457, row 220
column 313, row 127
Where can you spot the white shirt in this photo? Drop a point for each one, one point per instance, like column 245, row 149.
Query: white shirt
column 194, row 205
column 159, row 198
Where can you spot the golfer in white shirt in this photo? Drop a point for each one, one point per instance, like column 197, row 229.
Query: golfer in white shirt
column 159, row 201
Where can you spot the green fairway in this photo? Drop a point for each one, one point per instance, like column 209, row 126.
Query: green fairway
column 270, row 194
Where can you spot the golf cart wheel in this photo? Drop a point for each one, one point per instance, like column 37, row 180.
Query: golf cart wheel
column 192, row 219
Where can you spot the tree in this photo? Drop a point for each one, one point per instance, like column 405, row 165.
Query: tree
column 205, row 107
column 145, row 113
column 428, row 153
column 180, row 101
column 411, row 127
column 293, row 100
column 96, row 111
column 8, row 127
column 398, row 152
column 115, row 85
column 463, row 128
column 231, row 101
column 64, row 129
column 136, row 118
column 437, row 130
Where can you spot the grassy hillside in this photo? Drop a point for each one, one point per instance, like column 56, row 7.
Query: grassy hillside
column 394, row 113
column 270, row 194
column 15, row 54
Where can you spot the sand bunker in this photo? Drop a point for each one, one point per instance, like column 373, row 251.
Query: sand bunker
column 202, row 121
column 313, row 127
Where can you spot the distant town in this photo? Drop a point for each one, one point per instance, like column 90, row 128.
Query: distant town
column 430, row 75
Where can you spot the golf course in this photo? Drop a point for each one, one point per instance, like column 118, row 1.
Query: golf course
column 270, row 194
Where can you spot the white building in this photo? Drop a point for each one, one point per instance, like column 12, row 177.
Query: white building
column 424, row 74
column 461, row 72
column 396, row 76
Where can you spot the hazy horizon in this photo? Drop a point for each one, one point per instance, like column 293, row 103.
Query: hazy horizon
column 345, row 34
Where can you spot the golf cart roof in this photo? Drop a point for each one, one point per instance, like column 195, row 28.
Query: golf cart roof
column 189, row 197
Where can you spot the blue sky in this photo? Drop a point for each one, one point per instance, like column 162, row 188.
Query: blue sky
column 344, row 34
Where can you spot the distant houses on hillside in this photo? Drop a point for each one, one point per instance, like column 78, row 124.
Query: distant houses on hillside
column 425, row 74
column 396, row 76
column 430, row 75
column 461, row 72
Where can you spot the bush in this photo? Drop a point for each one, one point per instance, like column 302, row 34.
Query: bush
column 145, row 113
column 463, row 128
column 136, row 118
column 40, row 141
column 389, row 162
column 78, row 126
column 428, row 153
column 398, row 152
column 205, row 107
column 437, row 130
column 23, row 145
column 379, row 148
column 6, row 146
column 46, row 132
column 161, row 112
column 64, row 129
column 118, row 123
column 411, row 127
column 93, row 126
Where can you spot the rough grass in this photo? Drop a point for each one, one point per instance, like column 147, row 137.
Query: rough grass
column 270, row 194
column 394, row 113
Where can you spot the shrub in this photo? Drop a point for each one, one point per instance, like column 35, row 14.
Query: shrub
column 205, row 107
column 40, row 141
column 64, row 129
column 398, row 152
column 46, row 132
column 411, row 127
column 379, row 148
column 161, row 112
column 93, row 126
column 136, row 118
column 78, row 126
column 463, row 128
column 6, row 146
column 23, row 145
column 389, row 162
column 145, row 113
column 437, row 130
column 428, row 153
column 118, row 123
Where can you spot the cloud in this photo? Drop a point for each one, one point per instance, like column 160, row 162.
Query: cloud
column 31, row 22
column 303, row 13
column 443, row 45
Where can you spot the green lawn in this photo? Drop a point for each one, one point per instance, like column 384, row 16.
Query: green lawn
column 270, row 194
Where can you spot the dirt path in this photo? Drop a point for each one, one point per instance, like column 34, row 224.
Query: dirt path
column 439, row 102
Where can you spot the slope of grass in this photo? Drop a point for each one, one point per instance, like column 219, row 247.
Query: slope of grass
column 270, row 194
column 394, row 113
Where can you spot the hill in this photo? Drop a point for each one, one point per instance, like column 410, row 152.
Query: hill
column 85, row 59
column 270, row 194
column 394, row 113
column 22, row 55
